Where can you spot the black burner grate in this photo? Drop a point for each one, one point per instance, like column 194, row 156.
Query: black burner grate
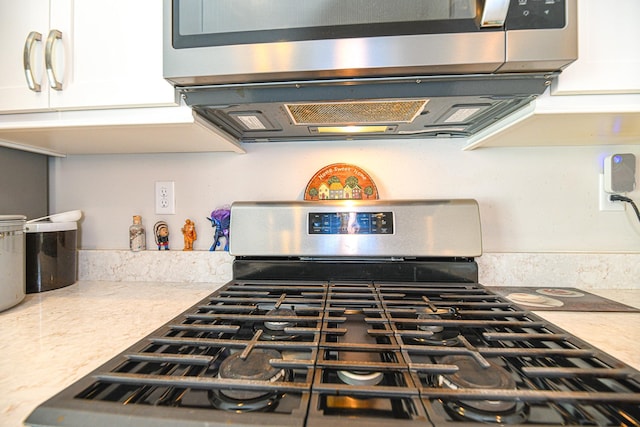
column 370, row 352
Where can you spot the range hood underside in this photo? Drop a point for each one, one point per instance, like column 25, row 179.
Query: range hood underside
column 451, row 106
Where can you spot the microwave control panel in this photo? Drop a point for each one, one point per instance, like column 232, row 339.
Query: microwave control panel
column 536, row 14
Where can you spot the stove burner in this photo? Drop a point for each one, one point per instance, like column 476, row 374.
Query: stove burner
column 432, row 328
column 279, row 326
column 471, row 375
column 360, row 377
column 255, row 367
column 263, row 404
column 441, row 335
column 273, row 330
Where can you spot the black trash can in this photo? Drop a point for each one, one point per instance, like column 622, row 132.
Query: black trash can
column 51, row 255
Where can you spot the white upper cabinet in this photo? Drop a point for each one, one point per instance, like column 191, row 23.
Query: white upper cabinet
column 84, row 55
column 608, row 52
column 95, row 69
column 116, row 58
column 21, row 20
column 596, row 99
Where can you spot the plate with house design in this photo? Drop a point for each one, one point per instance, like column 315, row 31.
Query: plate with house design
column 341, row 181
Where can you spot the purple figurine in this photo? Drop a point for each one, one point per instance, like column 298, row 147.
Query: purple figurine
column 220, row 220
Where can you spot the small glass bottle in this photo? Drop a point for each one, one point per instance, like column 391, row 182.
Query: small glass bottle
column 137, row 238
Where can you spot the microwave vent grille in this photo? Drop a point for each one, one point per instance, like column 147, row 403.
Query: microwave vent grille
column 344, row 113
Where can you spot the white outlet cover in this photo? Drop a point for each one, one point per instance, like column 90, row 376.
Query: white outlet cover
column 604, row 202
column 165, row 201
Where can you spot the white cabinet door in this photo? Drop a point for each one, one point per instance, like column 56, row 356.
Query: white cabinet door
column 116, row 58
column 109, row 55
column 608, row 56
column 17, row 20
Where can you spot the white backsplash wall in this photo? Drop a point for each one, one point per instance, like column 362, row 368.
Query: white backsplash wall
column 581, row 270
column 541, row 199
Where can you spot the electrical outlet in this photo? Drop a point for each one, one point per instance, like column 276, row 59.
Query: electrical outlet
column 165, row 198
column 605, row 203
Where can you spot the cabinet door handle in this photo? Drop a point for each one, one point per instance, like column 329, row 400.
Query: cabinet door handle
column 48, row 60
column 33, row 37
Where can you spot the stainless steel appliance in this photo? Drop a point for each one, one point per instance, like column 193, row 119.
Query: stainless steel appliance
column 12, row 260
column 323, row 69
column 310, row 333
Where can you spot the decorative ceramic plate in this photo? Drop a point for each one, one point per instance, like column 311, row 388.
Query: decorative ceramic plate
column 559, row 292
column 534, row 300
column 341, row 181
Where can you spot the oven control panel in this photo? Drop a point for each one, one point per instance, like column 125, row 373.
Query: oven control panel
column 356, row 228
column 351, row 223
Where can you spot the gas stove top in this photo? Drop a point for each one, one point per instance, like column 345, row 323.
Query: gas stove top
column 303, row 340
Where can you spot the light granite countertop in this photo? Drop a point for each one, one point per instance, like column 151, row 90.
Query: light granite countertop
column 51, row 339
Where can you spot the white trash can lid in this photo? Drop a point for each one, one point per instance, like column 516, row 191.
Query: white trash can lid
column 12, row 222
column 44, row 227
column 12, row 217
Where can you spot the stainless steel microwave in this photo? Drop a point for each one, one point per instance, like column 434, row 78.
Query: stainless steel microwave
column 482, row 58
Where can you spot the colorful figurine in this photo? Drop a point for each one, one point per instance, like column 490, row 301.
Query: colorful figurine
column 161, row 231
column 220, row 220
column 189, row 233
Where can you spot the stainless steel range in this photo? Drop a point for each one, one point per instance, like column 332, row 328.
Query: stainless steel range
column 360, row 312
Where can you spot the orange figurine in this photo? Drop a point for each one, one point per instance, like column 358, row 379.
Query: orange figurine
column 189, row 232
